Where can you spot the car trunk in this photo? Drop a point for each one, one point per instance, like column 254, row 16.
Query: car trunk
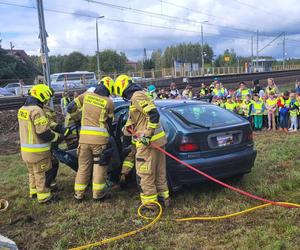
column 203, row 143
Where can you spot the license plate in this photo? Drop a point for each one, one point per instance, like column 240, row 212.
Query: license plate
column 224, row 140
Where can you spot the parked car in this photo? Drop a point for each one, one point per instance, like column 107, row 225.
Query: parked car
column 11, row 87
column 5, row 92
column 215, row 141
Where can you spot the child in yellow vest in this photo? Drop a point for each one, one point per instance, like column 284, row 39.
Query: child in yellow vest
column 230, row 104
column 223, row 102
column 247, row 108
column 239, row 105
column 258, row 110
column 271, row 106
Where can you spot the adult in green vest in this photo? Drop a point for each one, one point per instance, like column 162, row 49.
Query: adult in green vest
column 243, row 91
column 271, row 87
column 64, row 101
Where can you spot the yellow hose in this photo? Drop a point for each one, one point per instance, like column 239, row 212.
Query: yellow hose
column 158, row 216
column 131, row 233
column 3, row 205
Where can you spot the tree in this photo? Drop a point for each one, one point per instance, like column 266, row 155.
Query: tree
column 148, row 64
column 186, row 53
column 111, row 61
column 156, row 57
column 227, row 59
column 12, row 67
column 74, row 61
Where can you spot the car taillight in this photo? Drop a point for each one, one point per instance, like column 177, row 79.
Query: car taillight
column 188, row 147
column 250, row 136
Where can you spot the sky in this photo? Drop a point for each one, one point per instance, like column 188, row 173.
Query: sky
column 130, row 25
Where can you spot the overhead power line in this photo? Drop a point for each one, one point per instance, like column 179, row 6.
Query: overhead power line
column 273, row 40
column 197, row 11
column 121, row 21
column 258, row 8
column 164, row 16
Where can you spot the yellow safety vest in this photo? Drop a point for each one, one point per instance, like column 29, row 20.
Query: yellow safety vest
column 294, row 112
column 244, row 93
column 230, row 106
column 258, row 106
column 246, row 108
column 219, row 92
column 271, row 102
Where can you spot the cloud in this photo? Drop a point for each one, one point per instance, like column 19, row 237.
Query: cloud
column 76, row 30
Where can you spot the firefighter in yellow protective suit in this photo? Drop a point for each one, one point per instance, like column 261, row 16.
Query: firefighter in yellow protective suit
column 35, row 139
column 143, row 119
column 97, row 114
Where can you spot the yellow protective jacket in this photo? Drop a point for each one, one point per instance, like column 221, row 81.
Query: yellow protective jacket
column 32, row 123
column 140, row 118
column 96, row 110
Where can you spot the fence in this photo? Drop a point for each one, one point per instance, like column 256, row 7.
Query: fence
column 149, row 75
column 166, row 73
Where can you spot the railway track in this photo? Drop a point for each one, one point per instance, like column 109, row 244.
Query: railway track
column 9, row 103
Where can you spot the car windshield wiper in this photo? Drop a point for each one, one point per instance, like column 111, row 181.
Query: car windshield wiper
column 181, row 117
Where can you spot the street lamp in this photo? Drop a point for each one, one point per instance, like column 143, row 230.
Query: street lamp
column 97, row 38
column 202, row 51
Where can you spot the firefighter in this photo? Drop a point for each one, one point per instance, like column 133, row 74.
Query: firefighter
column 96, row 123
column 58, row 128
column 35, row 139
column 143, row 119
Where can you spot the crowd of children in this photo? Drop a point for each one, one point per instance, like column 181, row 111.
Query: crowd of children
column 264, row 108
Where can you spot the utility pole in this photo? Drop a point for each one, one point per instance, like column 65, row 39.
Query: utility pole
column 202, row 51
column 0, row 41
column 11, row 48
column 257, row 38
column 44, row 47
column 144, row 55
column 252, row 54
column 283, row 51
column 97, row 56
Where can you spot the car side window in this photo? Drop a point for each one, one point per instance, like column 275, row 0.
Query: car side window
column 121, row 110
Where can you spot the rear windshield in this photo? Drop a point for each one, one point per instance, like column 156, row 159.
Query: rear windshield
column 207, row 115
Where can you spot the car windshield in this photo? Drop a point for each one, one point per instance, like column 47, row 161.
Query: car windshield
column 209, row 116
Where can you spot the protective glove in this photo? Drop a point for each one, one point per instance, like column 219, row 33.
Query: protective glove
column 122, row 179
column 59, row 139
column 145, row 140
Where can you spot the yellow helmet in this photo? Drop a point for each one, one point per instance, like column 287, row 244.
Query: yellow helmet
column 121, row 84
column 41, row 92
column 108, row 83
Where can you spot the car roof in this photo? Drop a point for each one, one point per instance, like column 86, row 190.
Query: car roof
column 170, row 103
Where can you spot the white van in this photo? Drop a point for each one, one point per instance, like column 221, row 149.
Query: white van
column 69, row 80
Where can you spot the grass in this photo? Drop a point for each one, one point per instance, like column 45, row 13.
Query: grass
column 276, row 175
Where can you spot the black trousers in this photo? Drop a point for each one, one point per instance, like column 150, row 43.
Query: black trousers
column 52, row 173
